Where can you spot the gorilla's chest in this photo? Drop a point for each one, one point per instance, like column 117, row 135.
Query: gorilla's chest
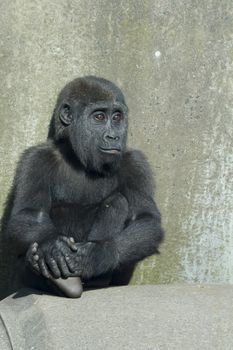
column 81, row 189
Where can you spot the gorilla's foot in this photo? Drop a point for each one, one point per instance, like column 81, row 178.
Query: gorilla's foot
column 71, row 287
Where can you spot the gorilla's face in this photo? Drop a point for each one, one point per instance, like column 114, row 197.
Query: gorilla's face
column 98, row 136
column 93, row 118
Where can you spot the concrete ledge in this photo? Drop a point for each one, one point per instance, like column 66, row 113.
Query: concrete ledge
column 134, row 317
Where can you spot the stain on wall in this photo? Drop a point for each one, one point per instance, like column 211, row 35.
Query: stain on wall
column 173, row 60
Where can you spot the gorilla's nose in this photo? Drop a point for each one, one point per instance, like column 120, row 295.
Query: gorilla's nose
column 111, row 137
column 114, row 138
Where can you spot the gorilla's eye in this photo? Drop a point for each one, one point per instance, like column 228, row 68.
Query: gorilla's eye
column 117, row 117
column 99, row 116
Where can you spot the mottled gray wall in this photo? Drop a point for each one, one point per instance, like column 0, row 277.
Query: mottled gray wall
column 173, row 60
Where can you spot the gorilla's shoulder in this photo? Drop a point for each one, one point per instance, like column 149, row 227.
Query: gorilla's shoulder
column 136, row 170
column 38, row 156
column 136, row 160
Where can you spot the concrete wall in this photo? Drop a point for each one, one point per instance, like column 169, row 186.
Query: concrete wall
column 173, row 60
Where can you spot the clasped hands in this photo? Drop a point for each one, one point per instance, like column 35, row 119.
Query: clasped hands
column 62, row 257
column 58, row 257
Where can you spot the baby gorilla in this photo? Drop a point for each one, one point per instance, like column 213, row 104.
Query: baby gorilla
column 81, row 205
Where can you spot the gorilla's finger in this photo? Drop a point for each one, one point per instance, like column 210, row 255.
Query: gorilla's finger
column 70, row 263
column 64, row 239
column 35, row 257
column 51, row 263
column 70, row 242
column 43, row 268
column 61, row 262
column 34, row 248
column 31, row 260
column 73, row 247
column 34, row 265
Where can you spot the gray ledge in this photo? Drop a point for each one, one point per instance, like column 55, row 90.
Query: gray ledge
column 134, row 317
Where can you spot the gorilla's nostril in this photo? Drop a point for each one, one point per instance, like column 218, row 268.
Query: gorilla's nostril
column 110, row 137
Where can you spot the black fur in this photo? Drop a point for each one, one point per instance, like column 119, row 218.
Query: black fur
column 83, row 183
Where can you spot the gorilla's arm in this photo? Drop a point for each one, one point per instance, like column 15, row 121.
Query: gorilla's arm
column 142, row 237
column 28, row 219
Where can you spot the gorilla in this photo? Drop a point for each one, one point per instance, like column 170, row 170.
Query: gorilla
column 81, row 210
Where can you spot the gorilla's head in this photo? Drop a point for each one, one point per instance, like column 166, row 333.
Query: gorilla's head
column 91, row 117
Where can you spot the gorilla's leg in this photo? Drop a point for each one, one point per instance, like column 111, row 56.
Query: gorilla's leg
column 110, row 218
column 110, row 221
column 123, row 275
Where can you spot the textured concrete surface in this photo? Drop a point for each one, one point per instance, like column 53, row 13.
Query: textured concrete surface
column 173, row 60
column 137, row 317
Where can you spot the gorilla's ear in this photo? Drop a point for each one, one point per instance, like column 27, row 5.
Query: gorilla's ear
column 65, row 114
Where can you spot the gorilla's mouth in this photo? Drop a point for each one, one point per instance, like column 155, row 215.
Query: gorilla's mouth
column 110, row 150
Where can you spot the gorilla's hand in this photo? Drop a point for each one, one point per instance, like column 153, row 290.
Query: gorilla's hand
column 54, row 258
column 95, row 258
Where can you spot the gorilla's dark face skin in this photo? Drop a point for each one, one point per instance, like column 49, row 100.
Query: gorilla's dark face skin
column 92, row 114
